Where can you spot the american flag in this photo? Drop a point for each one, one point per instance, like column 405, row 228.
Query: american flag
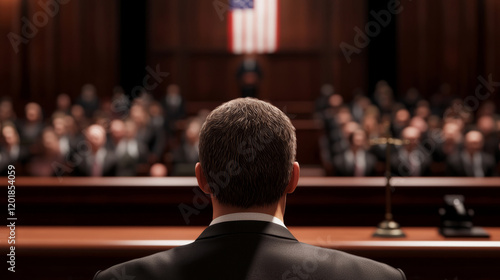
column 253, row 26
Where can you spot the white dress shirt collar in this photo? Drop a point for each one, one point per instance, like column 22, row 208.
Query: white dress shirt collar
column 248, row 216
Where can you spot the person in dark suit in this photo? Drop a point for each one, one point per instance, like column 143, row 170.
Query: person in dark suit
column 30, row 129
column 100, row 161
column 411, row 159
column 186, row 155
column 356, row 161
column 247, row 153
column 12, row 152
column 129, row 152
column 471, row 161
column 249, row 75
column 174, row 108
column 153, row 138
column 88, row 100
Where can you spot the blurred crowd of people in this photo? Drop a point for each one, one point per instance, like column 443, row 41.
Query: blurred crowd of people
column 93, row 137
column 442, row 136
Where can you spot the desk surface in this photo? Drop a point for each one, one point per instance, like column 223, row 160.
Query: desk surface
column 303, row 182
column 161, row 238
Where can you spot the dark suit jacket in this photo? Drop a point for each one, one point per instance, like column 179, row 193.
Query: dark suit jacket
column 108, row 168
column 456, row 167
column 250, row 250
column 400, row 164
column 342, row 168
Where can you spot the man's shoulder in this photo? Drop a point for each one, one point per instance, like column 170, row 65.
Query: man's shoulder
column 289, row 259
column 148, row 267
column 345, row 265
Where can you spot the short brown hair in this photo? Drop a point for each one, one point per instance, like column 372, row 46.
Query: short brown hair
column 247, row 149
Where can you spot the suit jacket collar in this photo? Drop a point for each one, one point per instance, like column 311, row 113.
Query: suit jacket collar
column 235, row 227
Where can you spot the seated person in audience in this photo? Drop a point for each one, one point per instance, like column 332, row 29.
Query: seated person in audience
column 66, row 142
column 373, row 130
column 487, row 126
column 50, row 161
column 99, row 161
column 78, row 114
column 471, row 161
column 384, row 97
column 359, row 106
column 186, row 155
column 174, row 107
column 12, row 152
column 411, row 159
column 129, row 152
column 338, row 127
column 154, row 139
column 247, row 153
column 356, row 161
column 249, row 76
column 63, row 103
column 410, row 99
column 88, row 100
column 451, row 142
column 31, row 127
column 400, row 122
column 321, row 103
column 7, row 114
column 423, row 110
column 158, row 170
column 423, row 127
column 157, row 117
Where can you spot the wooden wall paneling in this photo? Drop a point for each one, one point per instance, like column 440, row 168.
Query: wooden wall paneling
column 41, row 58
column 10, row 72
column 438, row 43
column 451, row 47
column 69, row 50
column 301, row 25
column 212, row 77
column 292, row 77
column 408, row 27
column 203, row 28
column 163, row 25
column 491, row 49
column 346, row 15
column 202, row 53
column 469, row 70
column 100, row 44
column 77, row 44
column 167, row 62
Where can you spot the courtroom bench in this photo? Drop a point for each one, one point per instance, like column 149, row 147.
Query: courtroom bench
column 318, row 201
column 78, row 252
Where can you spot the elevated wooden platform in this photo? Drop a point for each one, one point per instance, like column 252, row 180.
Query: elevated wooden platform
column 78, row 252
column 318, row 201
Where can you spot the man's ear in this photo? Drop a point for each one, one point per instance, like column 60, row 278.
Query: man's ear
column 202, row 181
column 294, row 179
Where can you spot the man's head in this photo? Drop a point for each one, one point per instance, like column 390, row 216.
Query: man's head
column 486, row 124
column 10, row 134
column 33, row 112
column 357, row 139
column 473, row 141
column 247, row 153
column 192, row 132
column 96, row 136
column 117, row 129
column 63, row 102
column 411, row 135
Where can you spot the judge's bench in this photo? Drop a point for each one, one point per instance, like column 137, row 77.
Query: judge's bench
column 71, row 227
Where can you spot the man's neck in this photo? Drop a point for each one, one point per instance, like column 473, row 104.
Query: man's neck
column 277, row 210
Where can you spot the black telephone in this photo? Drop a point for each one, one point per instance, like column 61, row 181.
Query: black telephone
column 456, row 220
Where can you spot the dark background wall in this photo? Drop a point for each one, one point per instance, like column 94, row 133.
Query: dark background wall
column 111, row 42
